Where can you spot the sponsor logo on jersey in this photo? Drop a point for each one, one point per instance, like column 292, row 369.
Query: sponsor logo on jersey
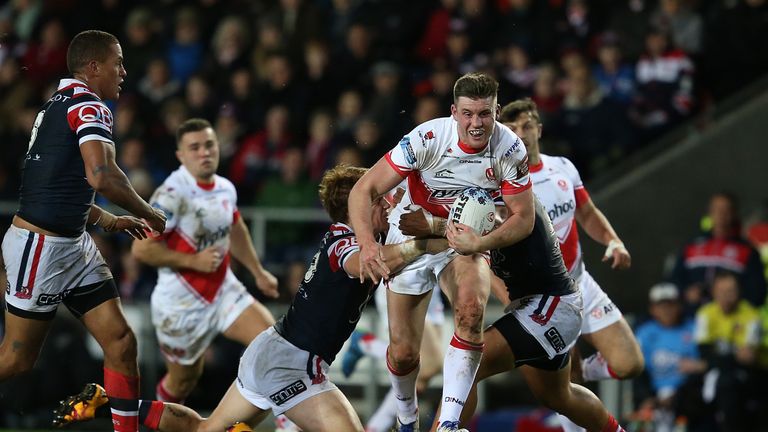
column 554, row 338
column 410, row 156
column 490, row 175
column 563, row 185
column 444, row 196
column 522, row 168
column 444, row 173
column 561, row 209
column 288, row 392
column 513, row 148
column 51, row 299
column 470, row 161
column 425, row 138
column 208, row 239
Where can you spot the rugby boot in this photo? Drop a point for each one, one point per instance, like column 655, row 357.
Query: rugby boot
column 80, row 407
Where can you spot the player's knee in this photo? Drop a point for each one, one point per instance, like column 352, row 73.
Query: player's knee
column 403, row 358
column 123, row 347
column 629, row 368
column 554, row 399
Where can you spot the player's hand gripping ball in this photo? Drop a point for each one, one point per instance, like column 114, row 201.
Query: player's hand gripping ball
column 474, row 207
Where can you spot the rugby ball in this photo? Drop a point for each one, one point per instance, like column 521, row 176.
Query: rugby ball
column 474, row 207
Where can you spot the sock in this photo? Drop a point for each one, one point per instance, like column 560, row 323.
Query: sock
column 150, row 413
column 373, row 346
column 462, row 358
column 384, row 417
column 404, row 386
column 568, row 425
column 284, row 424
column 612, row 425
column 595, row 368
column 162, row 394
column 123, row 393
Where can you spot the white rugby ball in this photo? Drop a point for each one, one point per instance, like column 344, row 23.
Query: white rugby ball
column 474, row 207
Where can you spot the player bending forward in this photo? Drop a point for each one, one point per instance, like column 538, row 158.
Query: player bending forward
column 284, row 368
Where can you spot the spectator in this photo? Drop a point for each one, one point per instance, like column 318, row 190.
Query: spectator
column 671, row 358
column 433, row 41
column 185, row 51
column 321, row 143
column 615, row 78
column 259, row 155
column 665, row 87
column 229, row 50
column 727, row 332
column 46, row 59
column 518, row 75
column 323, row 87
column 720, row 248
column 685, row 26
column 157, row 85
column 140, row 44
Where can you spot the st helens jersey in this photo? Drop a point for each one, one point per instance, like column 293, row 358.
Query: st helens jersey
column 439, row 166
column 329, row 302
column 558, row 186
column 55, row 194
column 199, row 216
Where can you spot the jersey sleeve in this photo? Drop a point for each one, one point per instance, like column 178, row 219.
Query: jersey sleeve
column 580, row 192
column 340, row 251
column 514, row 168
column 168, row 199
column 90, row 120
column 410, row 154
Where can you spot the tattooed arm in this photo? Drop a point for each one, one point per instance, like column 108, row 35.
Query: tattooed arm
column 110, row 181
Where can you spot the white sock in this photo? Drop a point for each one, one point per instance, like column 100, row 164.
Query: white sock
column 595, row 368
column 384, row 417
column 404, row 387
column 462, row 358
column 373, row 346
column 568, row 425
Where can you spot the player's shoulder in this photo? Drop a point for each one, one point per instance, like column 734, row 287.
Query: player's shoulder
column 224, row 183
column 505, row 142
column 560, row 163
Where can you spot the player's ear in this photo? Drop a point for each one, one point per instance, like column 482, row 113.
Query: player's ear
column 454, row 112
column 498, row 111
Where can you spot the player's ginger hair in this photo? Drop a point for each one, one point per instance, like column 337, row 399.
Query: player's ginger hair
column 334, row 190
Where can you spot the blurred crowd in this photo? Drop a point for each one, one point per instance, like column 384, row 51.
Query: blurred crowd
column 706, row 341
column 293, row 87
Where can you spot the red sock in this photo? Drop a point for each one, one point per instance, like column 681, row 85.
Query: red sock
column 150, row 413
column 612, row 425
column 164, row 395
column 123, row 393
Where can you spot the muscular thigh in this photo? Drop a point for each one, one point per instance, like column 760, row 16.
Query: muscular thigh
column 406, row 317
column 466, row 276
column 325, row 412
column 616, row 343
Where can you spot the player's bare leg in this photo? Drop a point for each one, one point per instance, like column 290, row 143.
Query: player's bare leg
column 466, row 281
column 431, row 352
column 618, row 346
column 326, row 412
column 106, row 322
column 179, row 381
column 406, row 327
column 21, row 344
column 253, row 320
column 232, row 408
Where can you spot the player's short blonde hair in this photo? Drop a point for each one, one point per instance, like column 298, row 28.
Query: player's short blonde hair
column 334, row 190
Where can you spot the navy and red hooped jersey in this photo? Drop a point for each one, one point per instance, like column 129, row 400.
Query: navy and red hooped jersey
column 55, row 194
column 534, row 265
column 330, row 301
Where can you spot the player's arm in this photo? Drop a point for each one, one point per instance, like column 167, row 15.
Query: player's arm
column 106, row 178
column 241, row 248
column 136, row 228
column 154, row 252
column 597, row 226
column 517, row 226
column 380, row 179
column 399, row 255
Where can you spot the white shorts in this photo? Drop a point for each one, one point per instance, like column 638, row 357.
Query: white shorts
column 554, row 321
column 43, row 270
column 599, row 310
column 435, row 310
column 274, row 374
column 186, row 325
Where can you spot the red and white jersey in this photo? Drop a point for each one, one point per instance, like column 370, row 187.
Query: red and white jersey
column 439, row 166
column 199, row 216
column 557, row 184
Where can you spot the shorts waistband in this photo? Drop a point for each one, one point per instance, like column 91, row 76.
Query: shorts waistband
column 24, row 233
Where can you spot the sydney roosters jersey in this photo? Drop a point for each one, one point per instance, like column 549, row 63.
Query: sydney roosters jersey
column 329, row 302
column 558, row 186
column 439, row 166
column 199, row 216
column 55, row 194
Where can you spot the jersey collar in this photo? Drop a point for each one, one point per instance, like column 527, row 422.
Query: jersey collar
column 203, row 186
